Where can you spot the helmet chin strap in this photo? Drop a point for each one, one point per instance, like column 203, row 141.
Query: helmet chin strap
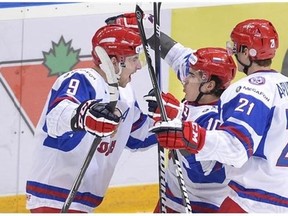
column 246, row 67
column 200, row 93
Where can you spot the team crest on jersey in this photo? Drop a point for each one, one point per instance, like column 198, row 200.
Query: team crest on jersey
column 257, row 80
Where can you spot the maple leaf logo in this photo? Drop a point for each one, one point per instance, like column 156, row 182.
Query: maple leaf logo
column 61, row 58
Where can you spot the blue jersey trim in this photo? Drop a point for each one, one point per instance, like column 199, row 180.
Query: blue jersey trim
column 138, row 124
column 197, row 207
column 259, row 195
column 66, row 142
column 134, row 143
column 60, row 194
column 196, row 173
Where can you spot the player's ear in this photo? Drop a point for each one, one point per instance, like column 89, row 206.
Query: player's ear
column 246, row 51
column 114, row 60
column 210, row 85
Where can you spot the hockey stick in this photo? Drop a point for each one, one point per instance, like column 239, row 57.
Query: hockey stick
column 156, row 11
column 112, row 81
column 161, row 152
column 139, row 15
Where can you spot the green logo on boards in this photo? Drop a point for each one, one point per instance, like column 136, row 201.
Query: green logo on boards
column 61, row 57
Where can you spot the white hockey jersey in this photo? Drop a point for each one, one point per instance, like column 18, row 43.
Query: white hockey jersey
column 205, row 181
column 253, row 138
column 60, row 152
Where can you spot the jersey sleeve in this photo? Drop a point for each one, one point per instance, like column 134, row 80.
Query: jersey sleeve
column 242, row 107
column 58, row 119
column 209, row 171
column 67, row 93
column 140, row 137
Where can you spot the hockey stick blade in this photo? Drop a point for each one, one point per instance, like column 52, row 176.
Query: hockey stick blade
column 109, row 70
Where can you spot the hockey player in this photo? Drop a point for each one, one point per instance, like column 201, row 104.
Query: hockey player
column 205, row 74
column 206, row 80
column 76, row 110
column 252, row 136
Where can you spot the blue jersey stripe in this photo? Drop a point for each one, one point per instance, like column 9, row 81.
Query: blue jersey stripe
column 60, row 194
column 259, row 195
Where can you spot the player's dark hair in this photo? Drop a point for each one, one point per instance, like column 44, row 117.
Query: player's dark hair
column 264, row 63
column 217, row 90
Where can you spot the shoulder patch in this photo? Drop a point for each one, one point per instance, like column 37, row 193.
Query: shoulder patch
column 259, row 80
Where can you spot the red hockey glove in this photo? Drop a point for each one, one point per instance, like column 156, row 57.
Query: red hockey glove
column 129, row 20
column 180, row 135
column 95, row 118
column 171, row 104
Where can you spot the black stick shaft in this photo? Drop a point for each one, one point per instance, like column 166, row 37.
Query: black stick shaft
column 161, row 152
column 139, row 14
column 80, row 176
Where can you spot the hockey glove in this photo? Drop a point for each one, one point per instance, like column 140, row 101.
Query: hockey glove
column 129, row 20
column 176, row 134
column 95, row 118
column 171, row 104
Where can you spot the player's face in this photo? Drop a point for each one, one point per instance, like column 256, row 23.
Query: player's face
column 132, row 64
column 191, row 85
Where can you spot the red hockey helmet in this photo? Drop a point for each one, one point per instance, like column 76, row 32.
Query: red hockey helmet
column 217, row 62
column 258, row 35
column 117, row 41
